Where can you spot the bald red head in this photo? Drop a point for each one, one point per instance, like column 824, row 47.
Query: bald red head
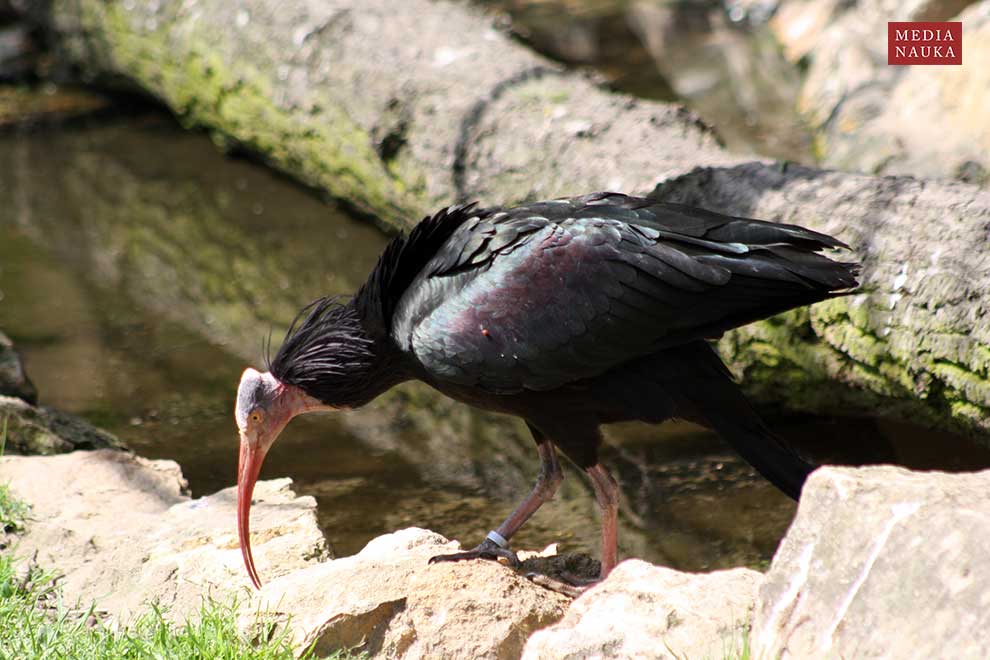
column 264, row 407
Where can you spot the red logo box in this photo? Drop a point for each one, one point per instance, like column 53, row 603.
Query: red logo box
column 924, row 42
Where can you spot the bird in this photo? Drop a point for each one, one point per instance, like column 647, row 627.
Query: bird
column 569, row 313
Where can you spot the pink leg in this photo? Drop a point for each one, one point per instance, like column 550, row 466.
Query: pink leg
column 546, row 485
column 607, row 494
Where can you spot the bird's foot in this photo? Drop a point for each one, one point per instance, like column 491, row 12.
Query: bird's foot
column 564, row 583
column 487, row 549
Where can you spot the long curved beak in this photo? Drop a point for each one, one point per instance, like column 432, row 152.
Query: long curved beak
column 248, row 467
column 280, row 403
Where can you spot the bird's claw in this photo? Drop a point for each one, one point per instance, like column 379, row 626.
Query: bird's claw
column 566, row 585
column 487, row 549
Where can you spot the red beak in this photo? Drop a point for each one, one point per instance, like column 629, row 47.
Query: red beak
column 248, row 467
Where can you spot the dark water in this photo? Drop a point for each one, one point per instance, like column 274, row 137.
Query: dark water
column 140, row 271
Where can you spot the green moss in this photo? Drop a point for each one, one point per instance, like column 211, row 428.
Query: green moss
column 967, row 387
column 326, row 150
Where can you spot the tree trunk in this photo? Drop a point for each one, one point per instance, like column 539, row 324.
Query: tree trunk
column 397, row 107
column 913, row 342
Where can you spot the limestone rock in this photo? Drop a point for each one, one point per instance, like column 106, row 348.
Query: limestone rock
column 13, row 380
column 799, row 24
column 646, row 611
column 388, row 601
column 122, row 531
column 926, row 121
column 936, row 122
column 881, row 562
column 44, row 430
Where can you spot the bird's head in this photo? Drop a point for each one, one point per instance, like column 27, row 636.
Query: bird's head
column 327, row 362
column 264, row 406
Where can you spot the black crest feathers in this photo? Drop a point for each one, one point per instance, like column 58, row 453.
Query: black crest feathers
column 405, row 257
column 326, row 338
column 335, row 348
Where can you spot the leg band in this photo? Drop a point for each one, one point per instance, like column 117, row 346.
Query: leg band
column 497, row 539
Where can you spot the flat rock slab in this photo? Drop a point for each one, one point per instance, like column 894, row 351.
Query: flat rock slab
column 122, row 531
column 388, row 601
column 881, row 562
column 647, row 611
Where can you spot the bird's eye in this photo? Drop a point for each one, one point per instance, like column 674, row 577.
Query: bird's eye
column 256, row 416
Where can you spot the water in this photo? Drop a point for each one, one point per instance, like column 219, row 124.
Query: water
column 140, row 271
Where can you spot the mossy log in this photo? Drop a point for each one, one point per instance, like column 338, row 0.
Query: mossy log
column 403, row 107
column 397, row 107
column 914, row 342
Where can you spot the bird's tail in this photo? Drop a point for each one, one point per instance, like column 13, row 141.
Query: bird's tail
column 709, row 395
column 764, row 451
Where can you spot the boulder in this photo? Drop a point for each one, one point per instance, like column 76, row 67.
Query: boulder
column 398, row 108
column 121, row 531
column 388, row 601
column 44, row 430
column 926, row 121
column 881, row 562
column 912, row 342
column 13, row 379
column 646, row 611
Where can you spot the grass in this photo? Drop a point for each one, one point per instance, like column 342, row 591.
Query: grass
column 12, row 510
column 36, row 623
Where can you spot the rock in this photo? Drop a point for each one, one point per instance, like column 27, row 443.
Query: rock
column 709, row 60
column 44, row 430
column 388, row 601
column 399, row 108
column 13, row 380
column 881, row 562
column 874, row 118
column 934, row 122
column 912, row 343
column 121, row 530
column 646, row 611
column 799, row 24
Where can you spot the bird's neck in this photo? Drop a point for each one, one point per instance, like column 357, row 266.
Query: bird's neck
column 375, row 368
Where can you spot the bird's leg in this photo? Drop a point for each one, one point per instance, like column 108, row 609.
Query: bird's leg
column 607, row 494
column 496, row 544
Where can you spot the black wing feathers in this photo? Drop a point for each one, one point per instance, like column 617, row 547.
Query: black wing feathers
column 405, row 257
column 553, row 292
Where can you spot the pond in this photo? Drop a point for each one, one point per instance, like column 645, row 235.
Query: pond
column 141, row 271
